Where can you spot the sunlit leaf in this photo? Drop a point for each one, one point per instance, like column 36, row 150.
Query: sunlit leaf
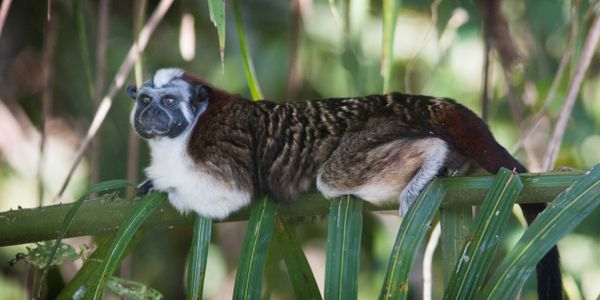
column 216, row 9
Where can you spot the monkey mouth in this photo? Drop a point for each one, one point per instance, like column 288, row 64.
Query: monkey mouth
column 149, row 131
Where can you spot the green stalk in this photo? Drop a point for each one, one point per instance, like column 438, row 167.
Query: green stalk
column 83, row 46
column 390, row 16
column 248, row 65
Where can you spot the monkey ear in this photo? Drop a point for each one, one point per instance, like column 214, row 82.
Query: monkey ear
column 132, row 91
column 203, row 92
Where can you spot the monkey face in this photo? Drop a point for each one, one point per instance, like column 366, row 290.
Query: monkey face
column 167, row 105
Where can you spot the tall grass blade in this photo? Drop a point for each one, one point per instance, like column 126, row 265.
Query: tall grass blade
column 301, row 276
column 83, row 46
column 216, row 9
column 145, row 208
column 196, row 269
column 390, row 16
column 490, row 223
column 410, row 235
column 559, row 218
column 344, row 233
column 248, row 65
column 248, row 279
column 101, row 187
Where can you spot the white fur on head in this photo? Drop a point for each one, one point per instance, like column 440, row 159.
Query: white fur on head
column 164, row 76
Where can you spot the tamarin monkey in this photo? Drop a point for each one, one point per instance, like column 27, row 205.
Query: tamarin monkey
column 213, row 151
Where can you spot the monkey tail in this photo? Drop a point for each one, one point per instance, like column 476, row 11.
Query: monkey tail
column 470, row 135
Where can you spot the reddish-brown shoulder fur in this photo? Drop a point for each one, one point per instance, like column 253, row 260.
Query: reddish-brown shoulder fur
column 472, row 137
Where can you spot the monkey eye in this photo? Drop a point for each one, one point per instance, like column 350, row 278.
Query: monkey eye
column 146, row 100
column 168, row 101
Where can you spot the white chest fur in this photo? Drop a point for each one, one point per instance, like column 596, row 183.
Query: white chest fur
column 189, row 186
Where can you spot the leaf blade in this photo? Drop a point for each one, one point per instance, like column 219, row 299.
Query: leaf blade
column 196, row 269
column 558, row 219
column 248, row 65
column 344, row 233
column 301, row 276
column 249, row 275
column 216, row 9
column 410, row 235
column 491, row 221
column 68, row 220
column 126, row 232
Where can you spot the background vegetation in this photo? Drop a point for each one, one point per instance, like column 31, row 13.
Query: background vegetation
column 58, row 60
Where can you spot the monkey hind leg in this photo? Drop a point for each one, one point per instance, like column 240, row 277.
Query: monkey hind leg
column 398, row 168
column 434, row 159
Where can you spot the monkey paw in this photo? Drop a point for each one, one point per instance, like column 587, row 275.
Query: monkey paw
column 406, row 201
column 145, row 187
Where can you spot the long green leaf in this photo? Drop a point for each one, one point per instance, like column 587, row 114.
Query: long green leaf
column 196, row 269
column 128, row 229
column 410, row 235
column 559, row 218
column 90, row 268
column 101, row 187
column 248, row 279
column 216, row 9
column 390, row 16
column 456, row 222
column 301, row 276
column 485, row 237
column 344, row 233
column 248, row 65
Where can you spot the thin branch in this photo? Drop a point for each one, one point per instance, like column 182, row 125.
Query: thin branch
column 50, row 35
column 103, row 18
column 428, row 260
column 485, row 89
column 134, row 142
column 587, row 53
column 117, row 83
column 4, row 13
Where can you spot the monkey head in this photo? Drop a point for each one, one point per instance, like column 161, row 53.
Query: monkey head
column 168, row 104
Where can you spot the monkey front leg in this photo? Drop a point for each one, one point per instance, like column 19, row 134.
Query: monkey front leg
column 145, row 187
